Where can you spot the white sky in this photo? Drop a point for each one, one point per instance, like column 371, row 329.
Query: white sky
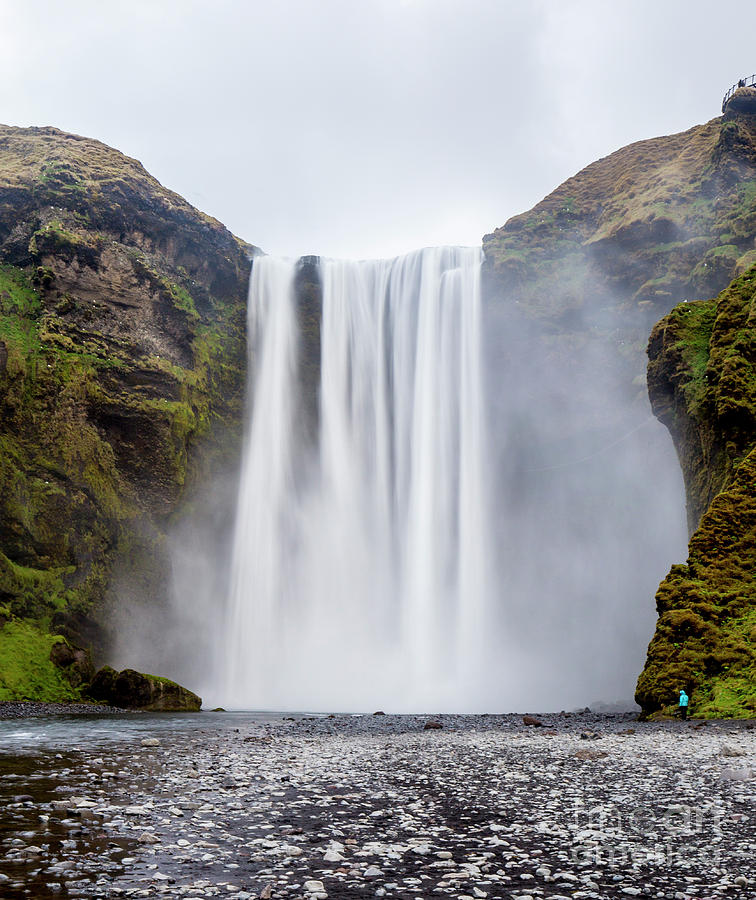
column 368, row 127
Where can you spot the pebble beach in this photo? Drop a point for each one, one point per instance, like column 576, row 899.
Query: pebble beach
column 578, row 806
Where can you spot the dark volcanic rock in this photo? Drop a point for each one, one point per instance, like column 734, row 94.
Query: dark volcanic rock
column 130, row 689
column 742, row 102
column 532, row 720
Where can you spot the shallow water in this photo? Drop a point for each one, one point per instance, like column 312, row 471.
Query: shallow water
column 82, row 732
column 49, row 759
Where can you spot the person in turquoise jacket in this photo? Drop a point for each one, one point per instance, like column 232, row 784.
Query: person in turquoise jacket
column 683, row 704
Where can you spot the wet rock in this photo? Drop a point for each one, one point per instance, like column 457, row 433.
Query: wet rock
column 533, row 721
column 737, row 774
column 591, row 754
column 134, row 690
column 487, row 808
column 148, row 838
column 432, row 725
column 727, row 750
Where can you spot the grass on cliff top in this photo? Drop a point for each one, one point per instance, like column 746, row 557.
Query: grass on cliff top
column 26, row 671
column 647, row 179
column 57, row 166
column 694, row 323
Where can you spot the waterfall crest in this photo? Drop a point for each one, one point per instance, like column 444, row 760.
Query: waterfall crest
column 360, row 566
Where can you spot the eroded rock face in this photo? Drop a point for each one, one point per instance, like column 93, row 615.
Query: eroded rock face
column 130, row 689
column 583, row 278
column 122, row 358
column 702, row 384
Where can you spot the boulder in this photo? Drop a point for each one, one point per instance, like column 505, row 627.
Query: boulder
column 531, row 720
column 102, row 686
column 130, row 689
column 75, row 662
column 591, row 754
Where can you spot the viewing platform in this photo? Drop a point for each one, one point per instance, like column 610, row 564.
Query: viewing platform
column 741, row 98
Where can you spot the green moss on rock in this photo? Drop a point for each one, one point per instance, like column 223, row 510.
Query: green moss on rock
column 702, row 386
column 130, row 689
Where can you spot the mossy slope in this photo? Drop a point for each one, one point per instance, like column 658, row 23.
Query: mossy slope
column 702, row 384
column 122, row 315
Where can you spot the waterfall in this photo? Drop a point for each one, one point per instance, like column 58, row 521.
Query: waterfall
column 360, row 573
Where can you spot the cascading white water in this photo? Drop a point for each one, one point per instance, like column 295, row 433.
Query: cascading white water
column 360, row 568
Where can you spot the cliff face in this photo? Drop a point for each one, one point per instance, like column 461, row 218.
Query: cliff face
column 702, row 384
column 122, row 315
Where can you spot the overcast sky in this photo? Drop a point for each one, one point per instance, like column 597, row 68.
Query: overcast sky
column 368, row 127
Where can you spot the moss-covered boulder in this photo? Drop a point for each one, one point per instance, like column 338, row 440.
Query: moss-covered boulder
column 130, row 689
column 122, row 371
column 702, row 384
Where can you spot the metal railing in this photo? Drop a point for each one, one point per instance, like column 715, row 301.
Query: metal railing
column 744, row 82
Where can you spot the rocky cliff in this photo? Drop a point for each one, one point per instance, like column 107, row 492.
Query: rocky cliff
column 122, row 358
column 702, row 384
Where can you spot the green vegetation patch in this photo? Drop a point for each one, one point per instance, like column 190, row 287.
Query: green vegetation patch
column 26, row 671
column 693, row 324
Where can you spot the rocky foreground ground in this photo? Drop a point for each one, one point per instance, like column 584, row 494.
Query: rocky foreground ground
column 379, row 806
